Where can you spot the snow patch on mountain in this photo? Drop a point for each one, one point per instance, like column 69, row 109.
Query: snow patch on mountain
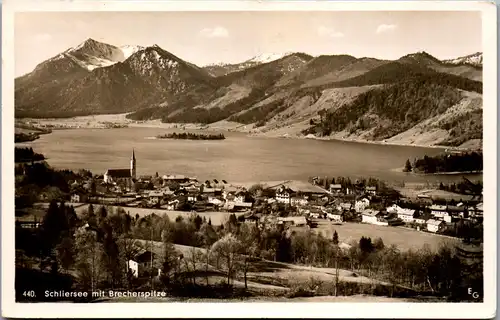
column 92, row 54
column 268, row 57
column 475, row 59
column 129, row 50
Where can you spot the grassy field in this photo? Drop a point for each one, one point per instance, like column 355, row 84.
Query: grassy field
column 403, row 238
column 217, row 217
column 412, row 190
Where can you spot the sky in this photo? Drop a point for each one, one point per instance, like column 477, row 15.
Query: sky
column 211, row 37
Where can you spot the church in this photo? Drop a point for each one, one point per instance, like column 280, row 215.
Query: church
column 125, row 176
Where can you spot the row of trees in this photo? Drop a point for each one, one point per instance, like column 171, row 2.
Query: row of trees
column 32, row 179
column 461, row 187
column 463, row 162
column 25, row 137
column 97, row 246
column 27, row 155
column 192, row 136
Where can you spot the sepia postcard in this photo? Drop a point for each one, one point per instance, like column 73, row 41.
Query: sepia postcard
column 249, row 159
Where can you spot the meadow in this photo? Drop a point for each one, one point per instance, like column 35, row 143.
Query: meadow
column 403, row 238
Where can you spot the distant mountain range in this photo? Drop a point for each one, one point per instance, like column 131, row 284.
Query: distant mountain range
column 417, row 98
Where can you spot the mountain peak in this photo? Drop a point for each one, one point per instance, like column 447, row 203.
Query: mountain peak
column 421, row 54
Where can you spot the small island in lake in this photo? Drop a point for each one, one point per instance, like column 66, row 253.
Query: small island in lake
column 192, row 136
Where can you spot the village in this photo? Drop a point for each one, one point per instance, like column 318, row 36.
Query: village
column 292, row 203
column 325, row 210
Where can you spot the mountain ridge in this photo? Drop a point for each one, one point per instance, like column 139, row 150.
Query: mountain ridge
column 293, row 88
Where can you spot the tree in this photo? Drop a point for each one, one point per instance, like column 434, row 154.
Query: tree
column 194, row 255
column 54, row 226
column 65, row 252
column 228, row 248
column 379, row 244
column 170, row 259
column 407, row 167
column 365, row 245
column 249, row 236
column 128, row 248
column 88, row 258
column 111, row 257
column 90, row 216
column 335, row 238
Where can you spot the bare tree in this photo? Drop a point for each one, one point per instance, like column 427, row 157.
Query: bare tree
column 88, row 257
column 227, row 248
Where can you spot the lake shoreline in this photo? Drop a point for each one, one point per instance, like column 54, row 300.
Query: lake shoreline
column 102, row 122
column 401, row 170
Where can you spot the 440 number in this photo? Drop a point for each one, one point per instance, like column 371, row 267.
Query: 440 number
column 29, row 294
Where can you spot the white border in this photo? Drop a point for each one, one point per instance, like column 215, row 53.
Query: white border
column 267, row 310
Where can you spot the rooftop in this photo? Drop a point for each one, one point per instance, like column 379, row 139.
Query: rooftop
column 434, row 222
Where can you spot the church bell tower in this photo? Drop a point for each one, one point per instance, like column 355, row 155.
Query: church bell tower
column 133, row 165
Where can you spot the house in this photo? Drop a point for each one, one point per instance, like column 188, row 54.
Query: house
column 438, row 211
column 477, row 211
column 373, row 217
column 335, row 216
column 210, row 191
column 146, row 178
column 344, row 206
column 297, row 201
column 284, row 194
column 78, row 197
column 421, row 218
column 141, row 264
column 372, row 190
column 406, row 215
column 193, row 197
column 435, row 226
column 175, row 178
column 154, row 197
column 171, row 205
column 238, row 206
column 361, row 205
column 28, row 222
column 215, row 201
column 240, row 196
column 295, row 221
column 454, row 212
column 335, row 188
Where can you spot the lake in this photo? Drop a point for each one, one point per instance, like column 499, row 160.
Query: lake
column 238, row 158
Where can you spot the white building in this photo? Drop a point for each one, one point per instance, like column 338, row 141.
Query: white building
column 435, row 225
column 297, row 201
column 438, row 211
column 142, row 263
column 335, row 216
column 295, row 221
column 284, row 194
column 372, row 190
column 406, row 215
column 361, row 205
column 335, row 188
column 344, row 206
column 373, row 217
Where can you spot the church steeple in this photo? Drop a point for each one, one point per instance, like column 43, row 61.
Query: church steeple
column 133, row 165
